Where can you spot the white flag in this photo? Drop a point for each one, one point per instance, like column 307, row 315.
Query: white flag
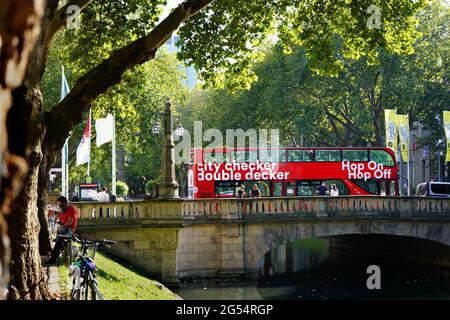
column 84, row 148
column 104, row 129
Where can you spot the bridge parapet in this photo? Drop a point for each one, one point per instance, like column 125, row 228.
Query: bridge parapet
column 153, row 209
column 316, row 206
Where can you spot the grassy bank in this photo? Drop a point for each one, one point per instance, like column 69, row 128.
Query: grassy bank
column 120, row 282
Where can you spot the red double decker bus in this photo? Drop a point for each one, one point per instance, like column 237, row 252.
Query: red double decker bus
column 292, row 171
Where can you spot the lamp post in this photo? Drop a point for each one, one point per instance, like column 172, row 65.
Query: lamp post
column 440, row 144
column 167, row 186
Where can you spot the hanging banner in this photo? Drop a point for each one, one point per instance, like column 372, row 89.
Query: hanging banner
column 447, row 133
column 403, row 129
column 391, row 129
column 104, row 129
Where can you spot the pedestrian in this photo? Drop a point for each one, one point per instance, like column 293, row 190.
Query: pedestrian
column 241, row 193
column 68, row 220
column 334, row 192
column 74, row 198
column 103, row 195
column 255, row 193
column 322, row 190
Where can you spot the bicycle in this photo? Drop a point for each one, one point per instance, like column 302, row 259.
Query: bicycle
column 84, row 283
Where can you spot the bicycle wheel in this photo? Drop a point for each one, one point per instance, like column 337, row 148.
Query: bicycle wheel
column 89, row 292
column 93, row 290
column 75, row 294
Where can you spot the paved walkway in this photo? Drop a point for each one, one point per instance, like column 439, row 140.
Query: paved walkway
column 52, row 279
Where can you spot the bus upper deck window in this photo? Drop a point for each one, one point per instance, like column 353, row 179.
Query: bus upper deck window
column 328, row 155
column 300, row 155
column 355, row 155
column 267, row 155
column 217, row 157
column 251, row 156
column 382, row 157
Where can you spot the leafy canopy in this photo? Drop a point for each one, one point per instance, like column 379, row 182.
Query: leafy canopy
column 224, row 40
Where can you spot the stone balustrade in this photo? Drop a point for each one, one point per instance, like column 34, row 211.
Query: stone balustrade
column 152, row 209
column 319, row 206
column 236, row 208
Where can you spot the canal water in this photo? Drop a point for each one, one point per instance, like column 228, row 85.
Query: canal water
column 312, row 270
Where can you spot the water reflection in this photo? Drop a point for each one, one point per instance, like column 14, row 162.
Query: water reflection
column 311, row 269
column 294, row 257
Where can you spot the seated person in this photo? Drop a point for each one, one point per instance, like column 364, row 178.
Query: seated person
column 255, row 193
column 334, row 192
column 241, row 193
column 68, row 221
column 322, row 190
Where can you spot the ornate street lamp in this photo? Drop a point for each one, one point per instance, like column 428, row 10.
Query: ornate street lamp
column 179, row 130
column 168, row 186
column 156, row 128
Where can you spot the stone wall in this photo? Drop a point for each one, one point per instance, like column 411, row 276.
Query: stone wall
column 210, row 251
column 152, row 250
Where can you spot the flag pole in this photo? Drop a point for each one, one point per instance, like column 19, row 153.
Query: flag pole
column 113, row 173
column 66, row 168
column 409, row 184
column 409, row 161
column 64, row 151
column 89, row 159
column 63, row 170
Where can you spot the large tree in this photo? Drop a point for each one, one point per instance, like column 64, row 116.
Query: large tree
column 19, row 28
column 222, row 41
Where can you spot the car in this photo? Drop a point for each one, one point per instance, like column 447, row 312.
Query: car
column 433, row 189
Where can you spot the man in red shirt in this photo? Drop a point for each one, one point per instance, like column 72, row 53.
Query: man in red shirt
column 68, row 221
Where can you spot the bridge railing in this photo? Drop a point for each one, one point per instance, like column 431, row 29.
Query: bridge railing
column 236, row 208
column 318, row 206
column 151, row 209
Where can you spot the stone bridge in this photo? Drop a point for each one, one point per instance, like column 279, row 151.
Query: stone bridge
column 180, row 238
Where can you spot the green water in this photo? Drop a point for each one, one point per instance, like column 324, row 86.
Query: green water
column 312, row 270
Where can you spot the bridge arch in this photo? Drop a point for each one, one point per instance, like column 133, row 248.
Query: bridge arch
column 259, row 239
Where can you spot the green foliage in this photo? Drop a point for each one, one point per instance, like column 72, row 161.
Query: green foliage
column 109, row 25
column 121, row 189
column 149, row 186
column 135, row 103
column 225, row 40
column 346, row 109
column 120, row 281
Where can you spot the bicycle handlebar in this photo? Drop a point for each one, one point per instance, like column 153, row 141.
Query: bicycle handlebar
column 85, row 241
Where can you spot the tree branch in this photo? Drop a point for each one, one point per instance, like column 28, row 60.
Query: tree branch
column 61, row 16
column 66, row 114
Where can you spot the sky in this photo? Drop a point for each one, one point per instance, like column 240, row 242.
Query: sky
column 170, row 5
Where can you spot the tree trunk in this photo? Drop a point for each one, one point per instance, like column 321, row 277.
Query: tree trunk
column 42, row 201
column 27, row 277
